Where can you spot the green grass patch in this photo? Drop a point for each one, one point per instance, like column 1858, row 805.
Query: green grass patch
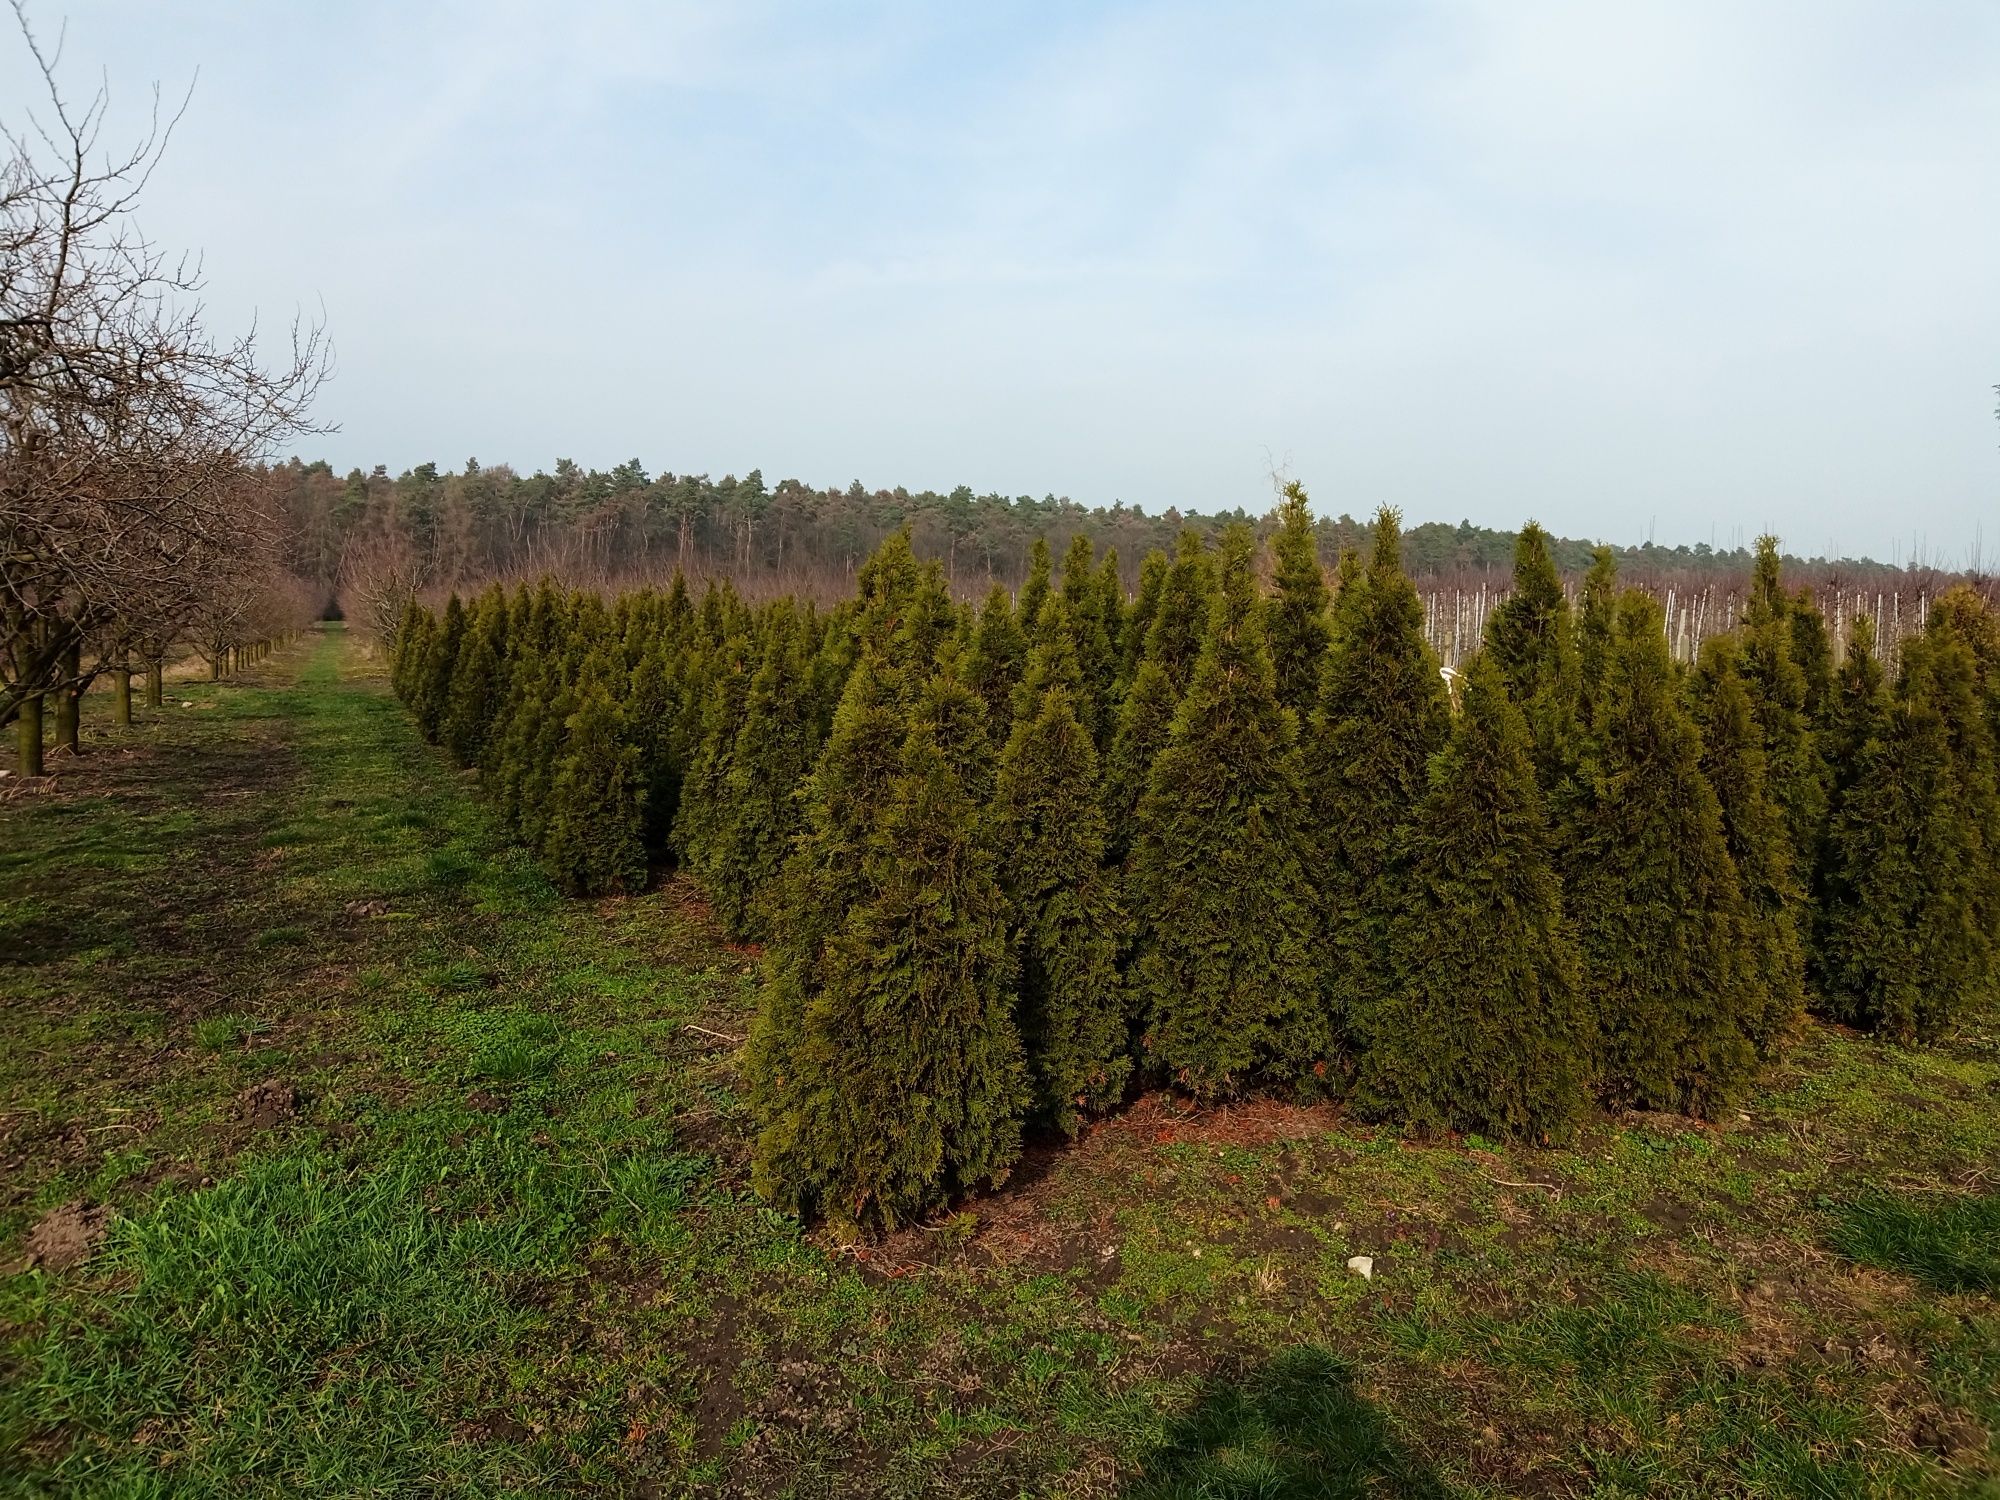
column 1949, row 1243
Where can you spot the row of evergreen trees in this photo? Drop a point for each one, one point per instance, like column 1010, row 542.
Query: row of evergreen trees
column 1238, row 830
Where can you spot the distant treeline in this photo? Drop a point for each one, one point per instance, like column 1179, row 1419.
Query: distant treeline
column 597, row 525
column 1236, row 829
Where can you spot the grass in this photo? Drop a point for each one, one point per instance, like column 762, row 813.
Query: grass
column 1950, row 1245
column 427, row 1181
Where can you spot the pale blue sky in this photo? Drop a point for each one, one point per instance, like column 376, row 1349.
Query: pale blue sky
column 1685, row 268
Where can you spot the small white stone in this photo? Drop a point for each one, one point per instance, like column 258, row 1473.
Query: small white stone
column 1362, row 1266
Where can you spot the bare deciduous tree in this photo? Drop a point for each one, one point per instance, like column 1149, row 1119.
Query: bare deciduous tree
column 126, row 426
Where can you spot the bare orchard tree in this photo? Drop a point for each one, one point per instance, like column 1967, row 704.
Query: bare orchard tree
column 125, row 424
column 381, row 570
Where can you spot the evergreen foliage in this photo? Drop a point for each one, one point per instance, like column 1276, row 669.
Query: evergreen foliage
column 1532, row 641
column 477, row 680
column 1659, row 916
column 1780, row 703
column 433, row 689
column 1181, row 619
column 1486, row 1027
column 699, row 820
column 1382, row 715
column 886, row 1069
column 1732, row 758
column 1898, row 946
column 1049, row 829
column 1225, row 967
column 1299, row 627
column 1138, row 627
column 1035, row 590
column 594, row 841
column 1812, row 649
column 759, row 812
column 1145, row 721
column 997, row 658
column 1090, row 620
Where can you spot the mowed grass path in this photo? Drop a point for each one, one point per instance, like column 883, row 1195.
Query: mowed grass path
column 426, row 1181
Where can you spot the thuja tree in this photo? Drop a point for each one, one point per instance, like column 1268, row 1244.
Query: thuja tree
column 1960, row 655
column 887, row 1072
column 1659, row 916
column 1779, row 701
column 1812, row 649
column 1596, row 624
column 1225, row 968
column 998, row 656
column 1297, row 612
column 477, row 680
column 1091, row 620
column 1138, row 626
column 433, row 688
column 1485, row 1027
column 1532, row 641
column 1181, row 618
column 593, row 841
column 1145, row 720
column 1049, row 829
column 794, row 1097
column 1382, row 715
column 773, row 753
column 1035, row 588
column 1898, row 946
column 411, row 643
column 652, row 703
column 1732, row 758
column 703, row 808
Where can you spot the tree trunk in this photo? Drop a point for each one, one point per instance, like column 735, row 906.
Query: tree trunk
column 156, row 693
column 69, row 701
column 121, row 687
column 215, row 666
column 29, row 724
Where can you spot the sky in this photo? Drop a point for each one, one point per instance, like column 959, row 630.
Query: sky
column 1679, row 269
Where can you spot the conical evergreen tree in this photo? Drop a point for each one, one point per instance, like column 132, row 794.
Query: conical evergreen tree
column 1049, row 829
column 1225, row 968
column 1532, row 640
column 1732, row 758
column 998, row 656
column 1041, row 574
column 1812, row 649
column 887, row 1072
column 653, row 701
column 1087, row 618
column 1596, row 625
column 1299, row 625
column 1778, row 699
column 1139, row 619
column 1486, row 1027
column 773, row 754
column 472, row 702
column 1181, row 620
column 1111, row 610
column 1660, row 919
column 704, row 794
column 1145, row 721
column 1382, row 715
column 593, row 842
column 433, row 695
column 1898, row 943
column 408, row 649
